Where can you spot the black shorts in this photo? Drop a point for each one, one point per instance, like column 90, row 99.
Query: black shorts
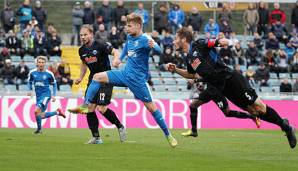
column 212, row 93
column 103, row 95
column 239, row 92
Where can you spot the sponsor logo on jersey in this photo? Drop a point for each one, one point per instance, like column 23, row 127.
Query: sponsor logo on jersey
column 195, row 63
column 39, row 84
column 131, row 53
column 94, row 52
column 90, row 59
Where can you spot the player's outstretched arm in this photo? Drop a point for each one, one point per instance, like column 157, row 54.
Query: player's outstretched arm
column 184, row 73
column 29, row 85
column 54, row 91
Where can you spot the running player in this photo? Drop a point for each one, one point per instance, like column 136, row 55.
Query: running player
column 232, row 84
column 207, row 93
column 134, row 75
column 41, row 79
column 95, row 57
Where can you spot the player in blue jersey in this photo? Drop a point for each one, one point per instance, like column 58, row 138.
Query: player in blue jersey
column 42, row 79
column 134, row 75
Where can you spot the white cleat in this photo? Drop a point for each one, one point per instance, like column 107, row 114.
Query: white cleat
column 122, row 134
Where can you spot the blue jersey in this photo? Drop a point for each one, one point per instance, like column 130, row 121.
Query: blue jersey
column 42, row 81
column 137, row 51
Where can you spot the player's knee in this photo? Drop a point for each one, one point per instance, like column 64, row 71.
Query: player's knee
column 226, row 112
column 260, row 109
column 193, row 106
column 98, row 77
column 36, row 112
column 253, row 111
column 102, row 109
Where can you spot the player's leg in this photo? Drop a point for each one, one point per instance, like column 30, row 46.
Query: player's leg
column 193, row 107
column 114, row 77
column 142, row 92
column 38, row 118
column 247, row 99
column 112, row 117
column 161, row 122
column 93, row 124
column 223, row 105
column 42, row 104
column 268, row 114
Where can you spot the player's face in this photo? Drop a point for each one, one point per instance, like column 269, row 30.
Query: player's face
column 41, row 64
column 178, row 43
column 133, row 28
column 86, row 36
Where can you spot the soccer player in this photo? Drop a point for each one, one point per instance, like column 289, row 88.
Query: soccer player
column 232, row 84
column 95, row 57
column 205, row 96
column 135, row 73
column 41, row 79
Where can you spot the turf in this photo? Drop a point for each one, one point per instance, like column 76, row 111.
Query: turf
column 64, row 149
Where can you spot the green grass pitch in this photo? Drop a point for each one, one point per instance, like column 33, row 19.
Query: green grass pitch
column 147, row 149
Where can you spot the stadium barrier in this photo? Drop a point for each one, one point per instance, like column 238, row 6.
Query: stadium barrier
column 18, row 112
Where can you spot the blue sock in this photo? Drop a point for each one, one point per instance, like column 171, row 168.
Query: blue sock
column 38, row 121
column 161, row 122
column 50, row 114
column 91, row 91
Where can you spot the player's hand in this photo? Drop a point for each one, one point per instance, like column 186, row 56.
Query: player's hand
column 170, row 67
column 116, row 63
column 78, row 81
column 53, row 98
column 151, row 43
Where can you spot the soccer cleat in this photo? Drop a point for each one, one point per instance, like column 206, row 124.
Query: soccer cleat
column 172, row 141
column 189, row 133
column 290, row 133
column 37, row 132
column 95, row 140
column 83, row 109
column 257, row 121
column 60, row 113
column 122, row 134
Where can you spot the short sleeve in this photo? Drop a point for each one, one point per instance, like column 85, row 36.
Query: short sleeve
column 107, row 48
column 190, row 69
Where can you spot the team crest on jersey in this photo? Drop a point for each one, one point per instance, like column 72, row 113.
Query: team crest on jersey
column 94, row 52
column 136, row 43
column 195, row 53
column 195, row 63
column 44, row 77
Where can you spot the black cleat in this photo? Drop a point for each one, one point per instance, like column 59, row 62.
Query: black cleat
column 37, row 132
column 290, row 133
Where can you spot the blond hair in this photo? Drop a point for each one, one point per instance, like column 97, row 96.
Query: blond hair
column 88, row 27
column 135, row 18
column 44, row 58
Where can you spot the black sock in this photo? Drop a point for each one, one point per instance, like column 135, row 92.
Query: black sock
column 238, row 114
column 93, row 123
column 111, row 116
column 193, row 118
column 272, row 116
